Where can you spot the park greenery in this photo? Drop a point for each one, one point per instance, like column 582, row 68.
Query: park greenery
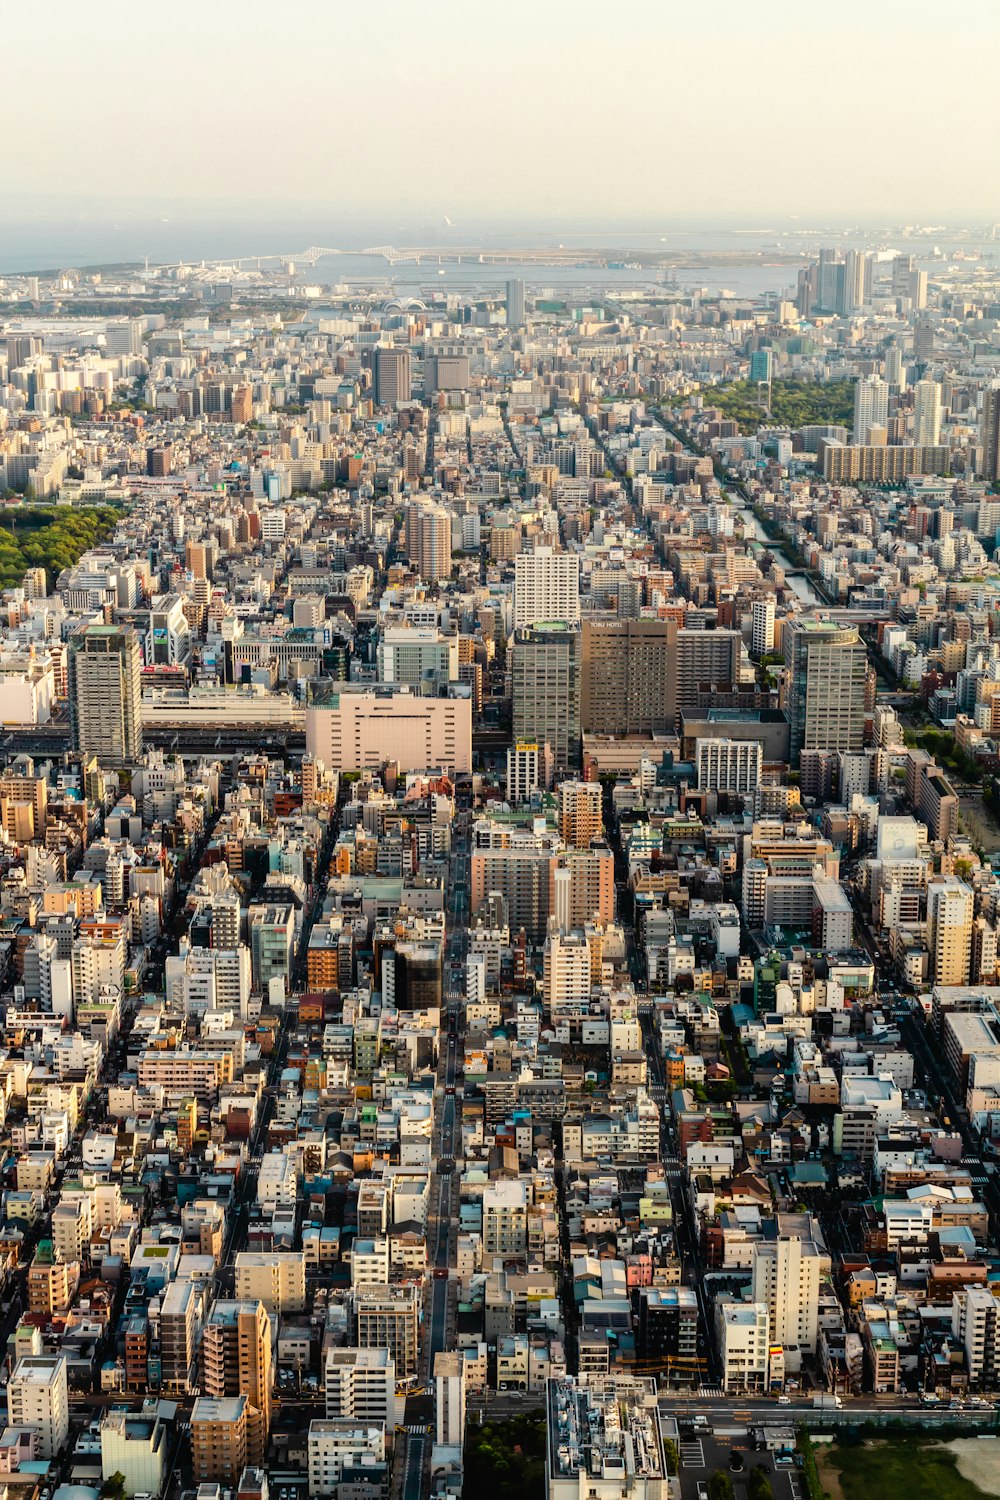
column 897, row 1465
column 941, row 743
column 49, row 536
column 506, row 1460
column 794, row 403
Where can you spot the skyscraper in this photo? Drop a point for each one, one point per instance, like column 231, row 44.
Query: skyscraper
column 546, row 587
column 825, row 696
column 545, row 676
column 629, row 676
column 871, row 406
column 990, row 432
column 103, row 679
column 927, row 414
column 515, row 304
column 895, row 375
column 392, row 376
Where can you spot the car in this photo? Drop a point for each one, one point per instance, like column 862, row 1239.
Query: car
column 702, row 1490
column 784, row 1400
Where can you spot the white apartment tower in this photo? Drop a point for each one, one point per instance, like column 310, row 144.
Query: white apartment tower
column 38, row 1397
column 926, row 414
column 546, row 587
column 786, row 1274
column 871, row 406
column 762, row 627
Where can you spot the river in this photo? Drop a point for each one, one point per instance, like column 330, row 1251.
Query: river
column 800, row 583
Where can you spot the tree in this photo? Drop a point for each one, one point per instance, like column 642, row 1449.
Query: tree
column 671, row 1456
column 114, row 1488
column 760, row 1487
column 720, row 1486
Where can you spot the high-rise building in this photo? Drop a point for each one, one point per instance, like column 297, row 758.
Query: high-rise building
column 179, row 1323
column 949, row 929
column 392, row 376
column 731, row 766
column 975, row 1323
column 219, row 1439
column 825, row 697
column 103, row 678
column 387, row 1317
column 546, row 587
column 581, row 817
column 990, row 432
column 927, row 413
column 871, row 406
column 895, row 373
column 236, row 1360
column 545, row 676
column 515, row 304
column 762, row 626
column 38, row 1398
column 629, row 676
column 786, row 1275
column 707, row 661
column 428, row 540
column 360, row 1386
column 857, row 281
column 449, row 1398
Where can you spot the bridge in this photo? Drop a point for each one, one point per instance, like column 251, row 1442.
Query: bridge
column 314, row 253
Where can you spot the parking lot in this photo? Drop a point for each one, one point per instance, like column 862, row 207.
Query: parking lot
column 703, row 1452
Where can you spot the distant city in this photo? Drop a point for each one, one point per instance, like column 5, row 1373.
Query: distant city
column 500, row 874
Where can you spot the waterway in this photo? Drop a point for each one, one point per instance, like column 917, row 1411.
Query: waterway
column 800, row 583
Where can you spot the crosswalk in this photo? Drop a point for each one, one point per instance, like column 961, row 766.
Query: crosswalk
column 692, row 1453
column 710, row 1390
column 416, row 1429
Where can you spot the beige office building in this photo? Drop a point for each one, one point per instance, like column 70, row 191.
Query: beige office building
column 352, row 731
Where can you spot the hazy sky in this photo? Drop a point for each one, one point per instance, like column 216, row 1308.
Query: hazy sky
column 866, row 109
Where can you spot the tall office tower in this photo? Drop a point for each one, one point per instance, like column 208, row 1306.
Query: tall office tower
column 762, row 626
column 895, row 375
column 392, row 376
column 38, row 1397
column 829, row 279
column 903, row 267
column 761, row 367
column 706, row 660
column 546, row 587
column 428, row 540
column 806, row 292
column 990, row 432
column 545, row 677
column 103, row 679
column 515, row 304
column 918, row 289
column 629, row 676
column 236, row 1360
column 581, row 815
column 871, row 406
column 825, row 698
column 786, row 1272
column 857, row 281
column 949, row 929
column 926, row 414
